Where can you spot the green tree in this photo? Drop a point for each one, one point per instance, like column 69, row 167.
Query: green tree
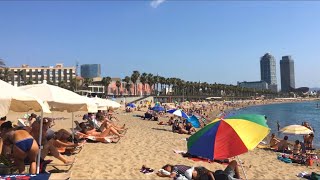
column 2, row 64
column 118, row 84
column 127, row 81
column 87, row 82
column 143, row 80
column 134, row 78
column 150, row 82
column 106, row 82
column 128, row 88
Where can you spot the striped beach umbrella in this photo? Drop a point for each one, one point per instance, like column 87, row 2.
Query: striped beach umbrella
column 296, row 129
column 178, row 112
column 229, row 137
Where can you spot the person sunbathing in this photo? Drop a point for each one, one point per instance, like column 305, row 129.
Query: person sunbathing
column 190, row 128
column 63, row 142
column 105, row 122
column 200, row 173
column 48, row 145
column 274, row 141
column 283, row 145
column 296, row 147
column 169, row 123
column 24, row 146
column 92, row 132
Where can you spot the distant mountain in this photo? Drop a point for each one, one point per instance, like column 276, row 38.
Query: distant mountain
column 314, row 89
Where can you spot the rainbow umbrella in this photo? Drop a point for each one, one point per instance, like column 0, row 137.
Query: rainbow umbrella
column 229, row 137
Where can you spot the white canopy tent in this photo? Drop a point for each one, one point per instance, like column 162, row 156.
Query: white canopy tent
column 59, row 99
column 14, row 99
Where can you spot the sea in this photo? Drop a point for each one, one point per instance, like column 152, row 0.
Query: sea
column 288, row 114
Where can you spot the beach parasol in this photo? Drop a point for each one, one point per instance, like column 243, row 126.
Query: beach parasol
column 158, row 108
column 296, row 129
column 104, row 104
column 230, row 137
column 132, row 105
column 14, row 99
column 194, row 121
column 178, row 112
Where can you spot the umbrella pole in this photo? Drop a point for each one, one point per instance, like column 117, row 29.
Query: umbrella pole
column 245, row 175
column 40, row 144
column 72, row 127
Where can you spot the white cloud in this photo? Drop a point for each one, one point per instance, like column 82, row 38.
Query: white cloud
column 156, row 3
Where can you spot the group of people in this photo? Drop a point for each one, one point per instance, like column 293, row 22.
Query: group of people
column 101, row 127
column 22, row 143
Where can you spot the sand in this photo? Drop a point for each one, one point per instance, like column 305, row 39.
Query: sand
column 147, row 143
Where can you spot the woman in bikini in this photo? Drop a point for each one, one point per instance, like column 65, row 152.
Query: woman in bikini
column 24, row 146
column 105, row 136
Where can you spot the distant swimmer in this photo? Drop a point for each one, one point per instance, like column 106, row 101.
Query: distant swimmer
column 278, row 125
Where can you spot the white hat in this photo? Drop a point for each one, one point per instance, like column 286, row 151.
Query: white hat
column 188, row 173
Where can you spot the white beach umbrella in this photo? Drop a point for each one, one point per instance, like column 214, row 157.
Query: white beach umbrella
column 296, row 129
column 59, row 99
column 14, row 99
column 113, row 104
column 105, row 104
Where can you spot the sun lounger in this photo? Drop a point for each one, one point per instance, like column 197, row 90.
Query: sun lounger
column 59, row 167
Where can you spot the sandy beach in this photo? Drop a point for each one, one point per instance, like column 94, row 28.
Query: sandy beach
column 147, row 143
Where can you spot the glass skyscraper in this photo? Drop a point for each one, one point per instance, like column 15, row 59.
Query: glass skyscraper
column 268, row 71
column 287, row 73
column 90, row 70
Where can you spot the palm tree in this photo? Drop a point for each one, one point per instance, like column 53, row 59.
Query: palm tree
column 128, row 87
column 150, row 82
column 2, row 64
column 73, row 84
column 106, row 82
column 162, row 82
column 156, row 82
column 127, row 81
column 118, row 84
column 87, row 82
column 62, row 84
column 6, row 75
column 143, row 80
column 134, row 78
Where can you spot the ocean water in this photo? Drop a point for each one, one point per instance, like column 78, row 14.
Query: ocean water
column 288, row 114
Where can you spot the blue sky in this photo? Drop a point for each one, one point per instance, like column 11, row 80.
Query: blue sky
column 211, row 41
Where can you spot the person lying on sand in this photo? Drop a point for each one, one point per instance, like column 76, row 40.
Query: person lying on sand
column 169, row 123
column 200, row 173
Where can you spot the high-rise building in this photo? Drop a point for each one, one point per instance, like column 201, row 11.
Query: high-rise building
column 34, row 75
column 287, row 73
column 90, row 70
column 268, row 71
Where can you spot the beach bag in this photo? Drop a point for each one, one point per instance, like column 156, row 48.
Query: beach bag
column 315, row 176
